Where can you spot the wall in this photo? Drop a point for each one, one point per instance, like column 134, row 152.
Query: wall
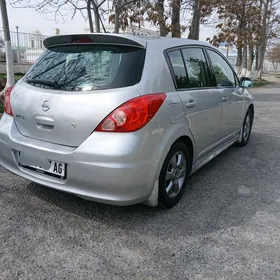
column 18, row 67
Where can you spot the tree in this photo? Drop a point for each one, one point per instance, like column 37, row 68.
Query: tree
column 175, row 18
column 233, row 27
column 248, row 26
column 194, row 28
column 58, row 9
column 263, row 35
column 201, row 11
column 161, row 19
column 167, row 16
column 8, row 46
column 274, row 56
column 158, row 12
column 90, row 22
column 269, row 29
column 96, row 7
column 127, row 12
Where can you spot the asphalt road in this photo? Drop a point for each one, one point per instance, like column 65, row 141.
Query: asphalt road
column 227, row 226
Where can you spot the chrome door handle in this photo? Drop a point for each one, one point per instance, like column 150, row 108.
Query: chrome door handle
column 225, row 99
column 191, row 104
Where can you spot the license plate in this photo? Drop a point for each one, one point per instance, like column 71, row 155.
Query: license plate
column 49, row 167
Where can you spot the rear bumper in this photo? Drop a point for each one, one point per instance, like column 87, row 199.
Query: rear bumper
column 110, row 168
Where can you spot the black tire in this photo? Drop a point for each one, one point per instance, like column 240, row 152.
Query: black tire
column 245, row 139
column 166, row 200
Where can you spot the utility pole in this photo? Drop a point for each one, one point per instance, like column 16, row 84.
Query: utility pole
column 8, row 46
column 18, row 44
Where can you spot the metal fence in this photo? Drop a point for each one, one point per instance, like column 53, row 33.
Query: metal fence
column 27, row 47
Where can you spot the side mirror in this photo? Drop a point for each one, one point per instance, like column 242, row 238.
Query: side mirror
column 246, row 82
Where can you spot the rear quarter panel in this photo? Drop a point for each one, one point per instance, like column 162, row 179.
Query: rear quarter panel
column 169, row 132
column 171, row 120
column 156, row 76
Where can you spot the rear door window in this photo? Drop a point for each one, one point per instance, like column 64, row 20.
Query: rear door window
column 178, row 67
column 88, row 67
column 197, row 68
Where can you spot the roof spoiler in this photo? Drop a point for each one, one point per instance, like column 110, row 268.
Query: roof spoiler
column 115, row 39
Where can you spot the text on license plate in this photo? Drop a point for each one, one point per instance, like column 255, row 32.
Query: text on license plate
column 42, row 165
column 56, row 168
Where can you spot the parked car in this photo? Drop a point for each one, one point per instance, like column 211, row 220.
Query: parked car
column 123, row 119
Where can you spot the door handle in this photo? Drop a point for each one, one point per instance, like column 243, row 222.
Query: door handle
column 191, row 104
column 44, row 122
column 225, row 99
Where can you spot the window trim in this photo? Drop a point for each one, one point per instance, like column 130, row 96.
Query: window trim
column 180, row 48
column 236, row 79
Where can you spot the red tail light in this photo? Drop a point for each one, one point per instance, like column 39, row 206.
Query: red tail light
column 81, row 39
column 132, row 115
column 7, row 101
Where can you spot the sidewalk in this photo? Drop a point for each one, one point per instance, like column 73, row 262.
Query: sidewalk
column 268, row 89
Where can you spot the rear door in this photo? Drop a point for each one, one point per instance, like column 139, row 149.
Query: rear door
column 200, row 100
column 73, row 87
column 233, row 103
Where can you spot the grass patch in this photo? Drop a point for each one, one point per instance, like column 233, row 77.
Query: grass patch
column 18, row 76
column 261, row 83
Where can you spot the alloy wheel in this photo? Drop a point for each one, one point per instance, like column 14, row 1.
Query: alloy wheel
column 175, row 175
column 247, row 127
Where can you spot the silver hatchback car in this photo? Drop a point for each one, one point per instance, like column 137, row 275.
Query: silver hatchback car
column 123, row 119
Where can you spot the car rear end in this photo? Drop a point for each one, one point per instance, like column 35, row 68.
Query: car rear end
column 77, row 123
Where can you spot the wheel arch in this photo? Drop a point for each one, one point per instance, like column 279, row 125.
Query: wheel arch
column 167, row 142
column 252, row 107
column 189, row 144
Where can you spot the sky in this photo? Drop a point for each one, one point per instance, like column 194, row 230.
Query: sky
column 28, row 20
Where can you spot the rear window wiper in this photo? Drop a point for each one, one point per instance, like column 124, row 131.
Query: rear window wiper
column 43, row 82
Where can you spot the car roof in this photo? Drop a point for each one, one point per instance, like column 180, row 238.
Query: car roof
column 165, row 42
column 125, row 39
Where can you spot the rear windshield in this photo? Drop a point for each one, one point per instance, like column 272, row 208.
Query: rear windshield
column 87, row 67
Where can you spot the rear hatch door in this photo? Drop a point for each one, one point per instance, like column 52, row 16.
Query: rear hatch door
column 73, row 87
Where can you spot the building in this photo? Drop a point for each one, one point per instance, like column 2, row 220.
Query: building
column 35, row 40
